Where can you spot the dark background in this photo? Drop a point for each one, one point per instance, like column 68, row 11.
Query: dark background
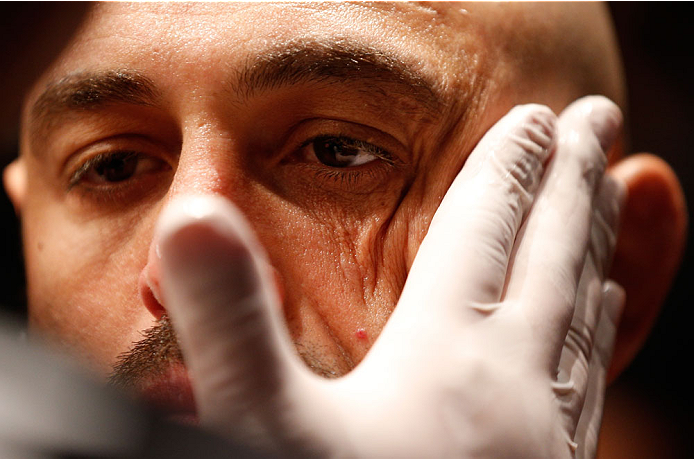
column 650, row 405
column 657, row 387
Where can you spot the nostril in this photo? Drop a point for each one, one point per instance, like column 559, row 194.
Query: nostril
column 150, row 292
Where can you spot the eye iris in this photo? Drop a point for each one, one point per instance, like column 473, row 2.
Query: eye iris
column 335, row 152
column 117, row 168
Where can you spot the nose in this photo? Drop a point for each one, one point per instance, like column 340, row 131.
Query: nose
column 205, row 167
column 149, row 283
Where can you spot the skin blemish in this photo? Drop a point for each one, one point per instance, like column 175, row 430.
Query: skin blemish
column 361, row 334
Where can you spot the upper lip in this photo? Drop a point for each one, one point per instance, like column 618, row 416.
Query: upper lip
column 170, row 391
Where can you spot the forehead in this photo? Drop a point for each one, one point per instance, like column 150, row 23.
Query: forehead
column 249, row 25
column 173, row 39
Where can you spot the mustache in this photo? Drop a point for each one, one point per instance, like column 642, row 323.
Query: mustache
column 159, row 349
column 150, row 357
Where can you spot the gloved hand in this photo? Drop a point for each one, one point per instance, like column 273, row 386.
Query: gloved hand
column 497, row 348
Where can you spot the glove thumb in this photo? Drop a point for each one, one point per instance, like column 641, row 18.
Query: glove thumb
column 218, row 292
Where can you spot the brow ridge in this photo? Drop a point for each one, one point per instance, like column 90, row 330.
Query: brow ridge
column 337, row 61
column 89, row 90
column 334, row 61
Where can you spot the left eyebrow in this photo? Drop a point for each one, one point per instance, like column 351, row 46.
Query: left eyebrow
column 87, row 91
column 337, row 61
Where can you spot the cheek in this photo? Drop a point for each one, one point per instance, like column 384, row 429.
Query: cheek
column 342, row 267
column 82, row 284
column 341, row 275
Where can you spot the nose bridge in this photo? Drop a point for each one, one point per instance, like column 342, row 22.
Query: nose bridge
column 209, row 163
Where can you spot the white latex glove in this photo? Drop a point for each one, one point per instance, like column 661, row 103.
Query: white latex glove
column 499, row 334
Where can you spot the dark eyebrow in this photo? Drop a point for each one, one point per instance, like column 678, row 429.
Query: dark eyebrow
column 341, row 62
column 87, row 91
column 373, row 71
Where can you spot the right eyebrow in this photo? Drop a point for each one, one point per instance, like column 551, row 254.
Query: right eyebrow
column 339, row 61
column 87, row 91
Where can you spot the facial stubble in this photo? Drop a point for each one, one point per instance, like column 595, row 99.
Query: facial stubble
column 148, row 358
column 159, row 349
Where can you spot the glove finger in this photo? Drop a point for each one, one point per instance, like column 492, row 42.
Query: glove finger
column 588, row 428
column 609, row 203
column 573, row 375
column 549, row 258
column 224, row 307
column 463, row 258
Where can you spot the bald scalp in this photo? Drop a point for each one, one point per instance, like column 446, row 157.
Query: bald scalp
column 569, row 48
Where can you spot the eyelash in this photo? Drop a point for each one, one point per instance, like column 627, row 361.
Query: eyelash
column 349, row 176
column 96, row 161
column 128, row 191
column 369, row 148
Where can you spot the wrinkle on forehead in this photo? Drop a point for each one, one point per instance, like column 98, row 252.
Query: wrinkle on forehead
column 440, row 34
column 435, row 40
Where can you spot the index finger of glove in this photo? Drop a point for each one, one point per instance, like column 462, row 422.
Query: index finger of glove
column 217, row 290
column 551, row 253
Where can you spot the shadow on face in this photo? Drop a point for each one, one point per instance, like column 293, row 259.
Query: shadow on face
column 335, row 128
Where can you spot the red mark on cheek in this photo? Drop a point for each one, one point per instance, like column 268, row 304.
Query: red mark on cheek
column 360, row 333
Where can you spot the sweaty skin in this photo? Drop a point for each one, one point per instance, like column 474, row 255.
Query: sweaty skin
column 208, row 99
column 336, row 130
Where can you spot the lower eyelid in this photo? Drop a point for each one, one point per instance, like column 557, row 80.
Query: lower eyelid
column 356, row 180
column 128, row 193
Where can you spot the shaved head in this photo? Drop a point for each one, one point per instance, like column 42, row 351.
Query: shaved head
column 252, row 102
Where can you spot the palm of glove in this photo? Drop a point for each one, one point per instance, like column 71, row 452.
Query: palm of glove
column 498, row 346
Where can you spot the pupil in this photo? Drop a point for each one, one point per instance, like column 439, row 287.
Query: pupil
column 117, row 169
column 334, row 153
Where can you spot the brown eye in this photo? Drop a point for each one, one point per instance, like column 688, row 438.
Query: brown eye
column 116, row 167
column 344, row 152
column 113, row 168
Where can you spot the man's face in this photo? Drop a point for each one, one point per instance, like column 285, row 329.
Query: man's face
column 335, row 128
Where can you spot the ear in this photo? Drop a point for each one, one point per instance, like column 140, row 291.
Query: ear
column 15, row 178
column 649, row 248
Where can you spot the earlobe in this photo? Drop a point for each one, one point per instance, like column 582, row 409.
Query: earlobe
column 14, row 178
column 649, row 248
